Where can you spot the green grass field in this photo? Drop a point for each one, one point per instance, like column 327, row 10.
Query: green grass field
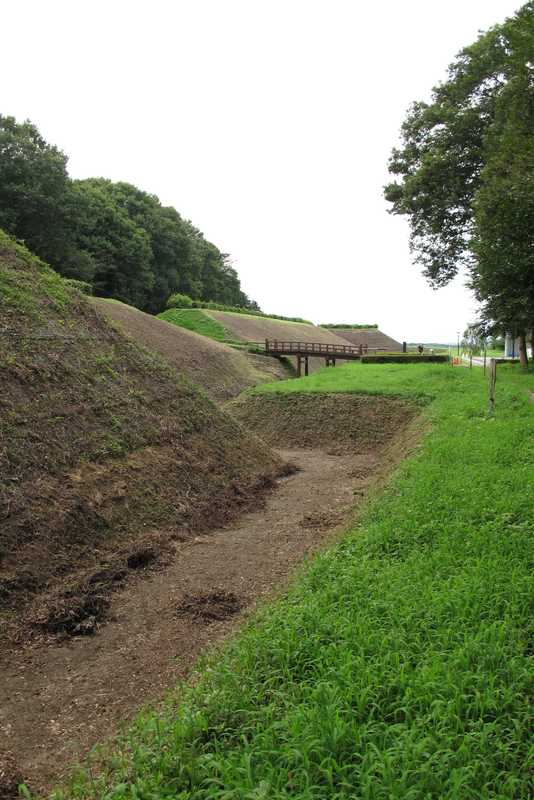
column 397, row 664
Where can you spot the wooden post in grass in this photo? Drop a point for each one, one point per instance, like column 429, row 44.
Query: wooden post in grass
column 492, row 381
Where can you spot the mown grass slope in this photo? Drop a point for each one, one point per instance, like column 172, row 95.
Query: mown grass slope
column 198, row 321
column 257, row 329
column 234, row 328
column 399, row 664
column 103, row 448
column 222, row 371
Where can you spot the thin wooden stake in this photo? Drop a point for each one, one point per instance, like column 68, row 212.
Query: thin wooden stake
column 492, row 381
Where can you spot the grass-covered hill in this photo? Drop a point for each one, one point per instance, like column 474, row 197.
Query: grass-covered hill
column 222, row 371
column 105, row 453
column 368, row 337
column 226, row 326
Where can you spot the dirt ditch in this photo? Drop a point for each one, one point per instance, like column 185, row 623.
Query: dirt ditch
column 60, row 695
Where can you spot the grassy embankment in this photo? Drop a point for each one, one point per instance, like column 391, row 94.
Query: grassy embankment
column 196, row 320
column 238, row 329
column 397, row 664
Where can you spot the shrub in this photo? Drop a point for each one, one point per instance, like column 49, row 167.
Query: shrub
column 178, row 300
column 403, row 358
column 82, row 286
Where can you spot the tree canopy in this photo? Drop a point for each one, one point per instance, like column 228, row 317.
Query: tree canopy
column 465, row 173
column 114, row 236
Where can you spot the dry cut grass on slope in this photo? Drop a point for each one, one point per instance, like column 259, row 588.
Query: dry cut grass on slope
column 257, row 329
column 220, row 370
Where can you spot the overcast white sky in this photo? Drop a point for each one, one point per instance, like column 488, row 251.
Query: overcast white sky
column 268, row 123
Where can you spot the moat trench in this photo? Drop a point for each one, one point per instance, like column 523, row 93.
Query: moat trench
column 58, row 698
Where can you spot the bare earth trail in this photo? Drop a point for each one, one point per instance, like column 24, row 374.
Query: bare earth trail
column 57, row 701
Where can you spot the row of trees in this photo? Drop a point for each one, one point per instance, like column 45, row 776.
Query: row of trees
column 465, row 176
column 114, row 236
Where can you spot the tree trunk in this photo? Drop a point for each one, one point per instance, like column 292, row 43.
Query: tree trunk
column 523, row 359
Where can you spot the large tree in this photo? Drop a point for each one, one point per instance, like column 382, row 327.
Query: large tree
column 33, row 185
column 465, row 173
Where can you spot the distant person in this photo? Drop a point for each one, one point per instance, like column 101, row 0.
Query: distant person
column 420, row 349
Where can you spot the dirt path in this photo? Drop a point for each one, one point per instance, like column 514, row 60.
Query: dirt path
column 56, row 701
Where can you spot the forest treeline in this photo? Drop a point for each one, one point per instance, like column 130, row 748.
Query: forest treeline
column 114, row 236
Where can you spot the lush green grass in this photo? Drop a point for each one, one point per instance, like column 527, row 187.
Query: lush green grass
column 416, row 381
column 196, row 320
column 397, row 666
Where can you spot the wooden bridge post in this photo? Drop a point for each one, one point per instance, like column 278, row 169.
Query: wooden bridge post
column 334, row 361
column 299, row 366
column 306, row 365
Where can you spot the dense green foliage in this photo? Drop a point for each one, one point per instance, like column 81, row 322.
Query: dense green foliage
column 347, row 326
column 398, row 664
column 33, row 187
column 111, row 235
column 404, row 358
column 178, row 300
column 82, row 286
column 466, row 169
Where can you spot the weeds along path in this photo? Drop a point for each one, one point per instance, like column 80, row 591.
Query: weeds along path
column 59, row 700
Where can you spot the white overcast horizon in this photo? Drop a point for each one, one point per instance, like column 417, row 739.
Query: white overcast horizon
column 268, row 124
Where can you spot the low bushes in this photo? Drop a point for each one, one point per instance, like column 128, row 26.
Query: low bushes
column 178, row 300
column 82, row 286
column 403, row 358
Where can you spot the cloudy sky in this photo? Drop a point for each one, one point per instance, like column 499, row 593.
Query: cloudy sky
column 268, row 123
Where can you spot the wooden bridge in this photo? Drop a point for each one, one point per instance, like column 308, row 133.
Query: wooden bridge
column 304, row 350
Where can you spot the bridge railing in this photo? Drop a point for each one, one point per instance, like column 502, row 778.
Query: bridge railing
column 316, row 348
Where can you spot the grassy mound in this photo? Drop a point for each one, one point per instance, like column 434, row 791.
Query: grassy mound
column 256, row 329
column 223, row 372
column 370, row 337
column 234, row 328
column 104, row 452
column 398, row 666
column 196, row 320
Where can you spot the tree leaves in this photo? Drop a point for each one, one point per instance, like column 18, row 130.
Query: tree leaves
column 112, row 235
column 466, row 172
